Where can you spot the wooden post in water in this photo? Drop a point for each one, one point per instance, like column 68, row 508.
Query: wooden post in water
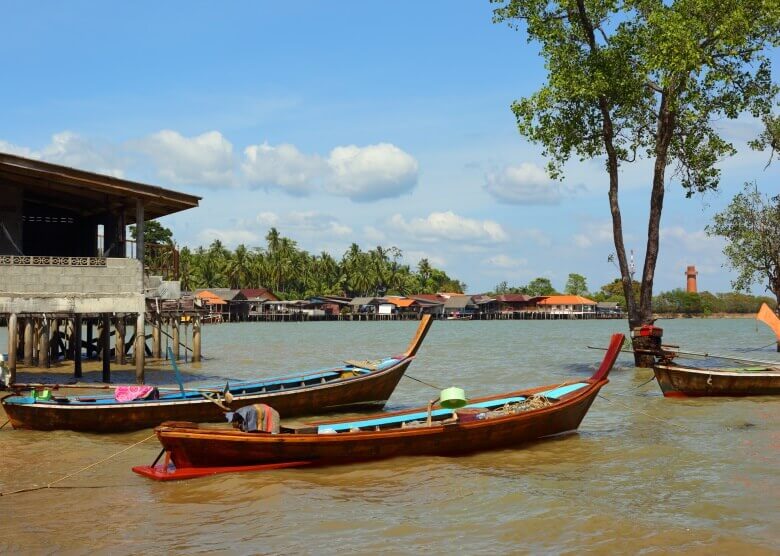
column 36, row 340
column 175, row 336
column 28, row 341
column 119, row 339
column 54, row 346
column 77, row 346
column 196, row 339
column 156, row 343
column 13, row 340
column 43, row 351
column 138, row 351
column 105, row 338
column 89, row 338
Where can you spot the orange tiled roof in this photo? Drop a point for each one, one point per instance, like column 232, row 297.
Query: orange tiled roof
column 212, row 298
column 566, row 300
column 400, row 301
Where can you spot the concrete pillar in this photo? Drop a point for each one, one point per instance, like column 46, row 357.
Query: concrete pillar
column 119, row 339
column 138, row 351
column 43, row 351
column 139, row 231
column 175, row 336
column 28, row 341
column 77, row 346
column 195, row 339
column 13, row 341
column 156, row 343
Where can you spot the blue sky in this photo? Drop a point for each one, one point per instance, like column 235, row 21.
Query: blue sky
column 374, row 123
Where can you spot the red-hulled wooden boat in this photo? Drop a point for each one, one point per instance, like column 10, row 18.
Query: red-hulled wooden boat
column 682, row 381
column 493, row 422
column 351, row 387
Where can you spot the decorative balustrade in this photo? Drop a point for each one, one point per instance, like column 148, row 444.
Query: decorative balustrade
column 29, row 260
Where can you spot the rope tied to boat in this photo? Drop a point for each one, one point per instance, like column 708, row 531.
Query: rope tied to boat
column 91, row 465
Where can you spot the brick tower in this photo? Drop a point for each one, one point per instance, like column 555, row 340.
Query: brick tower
column 691, row 275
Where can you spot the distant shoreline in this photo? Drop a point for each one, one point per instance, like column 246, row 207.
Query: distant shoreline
column 703, row 316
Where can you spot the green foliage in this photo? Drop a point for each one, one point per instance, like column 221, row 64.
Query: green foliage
column 576, row 285
column 704, row 303
column 154, row 232
column 769, row 138
column 751, row 225
column 292, row 273
column 644, row 79
column 540, row 286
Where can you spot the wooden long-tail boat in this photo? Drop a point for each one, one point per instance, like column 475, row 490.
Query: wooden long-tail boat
column 355, row 386
column 500, row 421
column 677, row 380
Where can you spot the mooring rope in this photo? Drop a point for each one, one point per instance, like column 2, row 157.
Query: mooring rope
column 4, row 424
column 407, row 375
column 50, row 485
column 622, row 392
column 665, row 421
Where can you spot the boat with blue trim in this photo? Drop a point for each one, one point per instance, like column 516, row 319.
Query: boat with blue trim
column 354, row 386
column 442, row 429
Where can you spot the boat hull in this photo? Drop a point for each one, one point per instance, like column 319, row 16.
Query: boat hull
column 679, row 381
column 366, row 392
column 209, row 449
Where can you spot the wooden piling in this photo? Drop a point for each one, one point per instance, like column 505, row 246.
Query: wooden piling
column 43, row 351
column 105, row 338
column 54, row 345
column 156, row 343
column 195, row 339
column 77, row 346
column 28, row 341
column 138, row 351
column 175, row 335
column 119, row 339
column 13, row 340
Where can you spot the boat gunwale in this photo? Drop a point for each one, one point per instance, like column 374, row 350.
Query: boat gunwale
column 769, row 372
column 47, row 404
column 565, row 401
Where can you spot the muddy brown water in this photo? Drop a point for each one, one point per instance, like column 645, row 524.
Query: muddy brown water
column 642, row 474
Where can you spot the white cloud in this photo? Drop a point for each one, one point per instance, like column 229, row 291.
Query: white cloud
column 696, row 241
column 371, row 173
column 230, row 237
column 283, row 167
column 373, row 234
column 10, row 148
column 449, row 226
column 526, row 184
column 205, row 159
column 594, row 232
column 505, row 261
column 70, row 149
column 307, row 221
column 268, row 219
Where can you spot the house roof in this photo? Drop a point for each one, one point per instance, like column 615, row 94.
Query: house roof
column 427, row 300
column 81, row 191
column 432, row 297
column 360, row 301
column 513, row 298
column 226, row 294
column 210, row 297
column 400, row 301
column 259, row 293
column 458, row 302
column 566, row 300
